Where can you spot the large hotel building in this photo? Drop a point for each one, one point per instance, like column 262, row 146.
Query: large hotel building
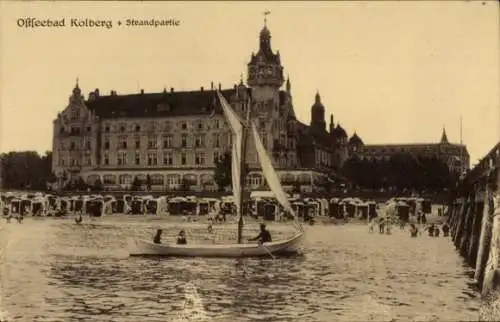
column 175, row 137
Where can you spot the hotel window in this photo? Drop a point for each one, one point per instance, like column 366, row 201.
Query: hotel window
column 184, row 140
column 263, row 137
column 109, row 179
column 157, row 180
column 89, row 129
column 106, row 159
column 122, row 128
column 87, row 161
column 137, row 142
column 106, row 143
column 168, row 159
column 152, row 158
column 199, row 141
column 87, row 145
column 200, row 125
column 216, row 140
column 137, row 158
column 282, row 140
column 151, row 142
column 216, row 157
column 167, row 141
column 75, row 114
column 138, row 128
column 123, row 157
column 183, row 125
column 61, row 161
column 106, row 128
column 171, row 180
column 199, row 158
column 123, row 141
column 183, row 158
column 72, row 146
column 167, row 126
column 217, row 124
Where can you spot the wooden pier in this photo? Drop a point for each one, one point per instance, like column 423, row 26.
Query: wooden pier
column 474, row 219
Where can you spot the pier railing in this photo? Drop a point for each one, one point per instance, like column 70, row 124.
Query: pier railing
column 475, row 220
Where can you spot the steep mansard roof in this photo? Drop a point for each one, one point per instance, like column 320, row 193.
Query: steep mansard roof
column 163, row 104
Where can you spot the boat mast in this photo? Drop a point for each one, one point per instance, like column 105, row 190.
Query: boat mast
column 244, row 135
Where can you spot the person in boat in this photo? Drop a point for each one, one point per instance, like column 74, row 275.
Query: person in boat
column 181, row 239
column 413, row 230
column 446, row 230
column 157, row 238
column 264, row 236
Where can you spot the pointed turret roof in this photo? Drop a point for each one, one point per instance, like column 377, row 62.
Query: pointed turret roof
column 444, row 137
column 340, row 131
column 355, row 139
column 317, row 102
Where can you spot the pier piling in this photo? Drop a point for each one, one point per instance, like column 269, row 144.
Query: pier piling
column 474, row 221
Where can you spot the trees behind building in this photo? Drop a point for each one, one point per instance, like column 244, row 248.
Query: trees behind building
column 26, row 170
column 401, row 171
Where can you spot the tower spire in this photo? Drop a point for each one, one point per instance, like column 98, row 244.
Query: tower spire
column 444, row 137
column 266, row 13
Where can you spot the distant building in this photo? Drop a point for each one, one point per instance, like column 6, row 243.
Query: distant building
column 455, row 156
column 175, row 137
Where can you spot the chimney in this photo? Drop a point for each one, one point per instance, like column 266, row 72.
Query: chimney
column 220, row 87
column 235, row 86
column 96, row 92
column 171, row 89
column 212, row 86
column 201, row 88
column 142, row 91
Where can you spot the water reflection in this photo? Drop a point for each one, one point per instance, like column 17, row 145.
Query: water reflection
column 58, row 271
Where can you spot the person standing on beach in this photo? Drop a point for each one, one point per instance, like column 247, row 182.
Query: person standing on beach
column 413, row 230
column 446, row 230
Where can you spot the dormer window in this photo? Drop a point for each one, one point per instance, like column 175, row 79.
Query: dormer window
column 183, row 125
column 138, row 128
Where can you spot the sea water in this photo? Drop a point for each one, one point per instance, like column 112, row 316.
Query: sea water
column 54, row 270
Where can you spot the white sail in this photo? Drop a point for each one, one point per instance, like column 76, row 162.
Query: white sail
column 236, row 152
column 270, row 174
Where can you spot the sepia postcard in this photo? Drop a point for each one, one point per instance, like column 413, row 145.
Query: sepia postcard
column 249, row 161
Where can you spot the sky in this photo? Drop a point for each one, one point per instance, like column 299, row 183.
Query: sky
column 394, row 72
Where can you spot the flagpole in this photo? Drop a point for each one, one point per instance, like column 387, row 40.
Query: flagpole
column 243, row 165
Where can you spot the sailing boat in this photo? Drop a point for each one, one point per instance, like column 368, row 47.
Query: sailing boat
column 240, row 133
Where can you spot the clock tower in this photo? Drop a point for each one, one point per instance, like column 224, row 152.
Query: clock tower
column 265, row 73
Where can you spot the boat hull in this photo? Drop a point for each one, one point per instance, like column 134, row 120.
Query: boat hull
column 139, row 247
